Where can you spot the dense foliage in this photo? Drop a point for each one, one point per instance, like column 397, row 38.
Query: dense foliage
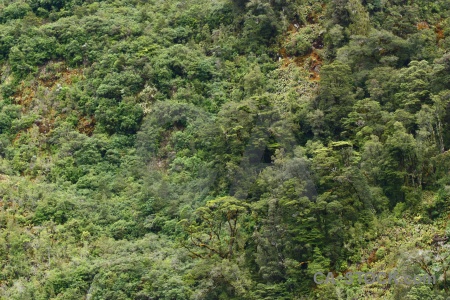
column 223, row 149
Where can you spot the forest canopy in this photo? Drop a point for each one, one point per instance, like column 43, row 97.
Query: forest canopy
column 226, row 149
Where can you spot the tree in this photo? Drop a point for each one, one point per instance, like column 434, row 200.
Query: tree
column 219, row 228
column 335, row 97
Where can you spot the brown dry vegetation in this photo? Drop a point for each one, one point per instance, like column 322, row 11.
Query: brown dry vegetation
column 52, row 77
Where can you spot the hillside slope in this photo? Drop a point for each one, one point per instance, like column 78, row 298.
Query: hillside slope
column 223, row 149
